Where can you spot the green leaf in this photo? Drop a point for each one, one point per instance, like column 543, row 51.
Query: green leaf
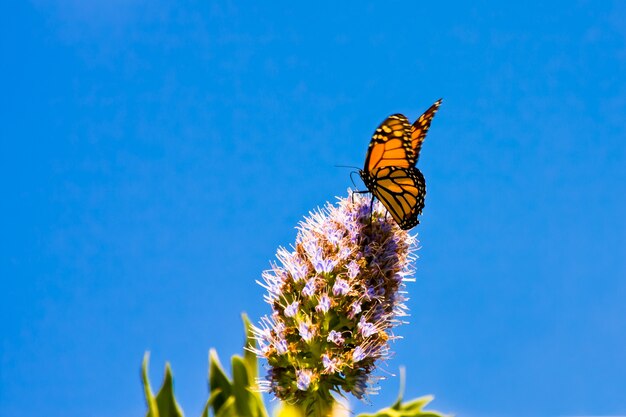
column 164, row 404
column 240, row 372
column 236, row 398
column 248, row 356
column 219, row 385
column 248, row 401
column 227, row 409
column 241, row 382
column 418, row 403
column 259, row 406
column 166, row 401
column 205, row 410
column 413, row 408
column 153, row 410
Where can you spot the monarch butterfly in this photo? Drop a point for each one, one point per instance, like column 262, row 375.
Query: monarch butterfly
column 390, row 173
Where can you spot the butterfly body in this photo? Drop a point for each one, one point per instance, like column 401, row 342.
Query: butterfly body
column 390, row 173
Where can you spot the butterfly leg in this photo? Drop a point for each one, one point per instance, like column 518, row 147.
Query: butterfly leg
column 358, row 192
column 371, row 210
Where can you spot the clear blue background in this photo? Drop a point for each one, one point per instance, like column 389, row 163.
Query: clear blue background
column 154, row 155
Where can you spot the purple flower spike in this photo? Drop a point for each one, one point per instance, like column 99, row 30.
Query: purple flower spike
column 336, row 299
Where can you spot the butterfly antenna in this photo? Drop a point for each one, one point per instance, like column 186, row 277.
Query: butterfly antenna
column 346, row 166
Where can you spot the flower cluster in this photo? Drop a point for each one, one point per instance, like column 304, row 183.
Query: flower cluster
column 335, row 299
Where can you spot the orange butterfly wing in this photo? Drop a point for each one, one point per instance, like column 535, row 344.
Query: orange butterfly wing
column 419, row 130
column 402, row 192
column 390, row 144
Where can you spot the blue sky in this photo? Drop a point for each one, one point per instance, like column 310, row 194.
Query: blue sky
column 154, row 155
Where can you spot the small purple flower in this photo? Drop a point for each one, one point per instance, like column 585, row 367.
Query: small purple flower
column 366, row 329
column 344, row 252
column 335, row 337
column 309, row 288
column 379, row 314
column 333, row 234
column 293, row 263
column 304, row 379
column 273, row 283
column 264, row 347
column 355, row 308
column 330, row 365
column 279, row 327
column 324, row 305
column 281, row 346
column 358, row 354
column 370, row 293
column 341, row 287
column 298, row 271
column 325, row 266
column 292, row 309
column 353, row 269
column 306, row 332
column 312, row 248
